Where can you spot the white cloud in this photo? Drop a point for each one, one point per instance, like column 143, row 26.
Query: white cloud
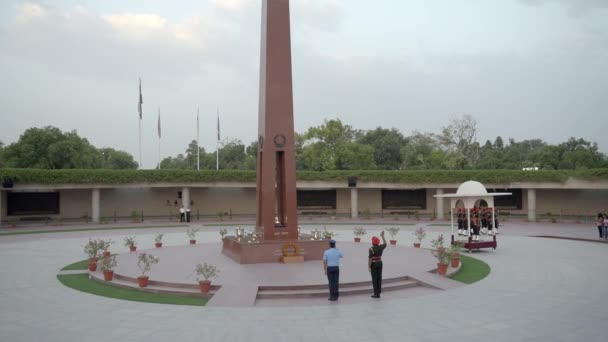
column 29, row 12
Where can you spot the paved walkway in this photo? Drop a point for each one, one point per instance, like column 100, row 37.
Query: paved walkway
column 539, row 290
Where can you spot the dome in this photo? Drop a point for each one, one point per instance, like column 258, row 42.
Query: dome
column 471, row 188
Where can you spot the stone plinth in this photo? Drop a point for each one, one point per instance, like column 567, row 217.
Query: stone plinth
column 270, row 251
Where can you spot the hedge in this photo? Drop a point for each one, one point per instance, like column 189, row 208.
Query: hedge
column 39, row 176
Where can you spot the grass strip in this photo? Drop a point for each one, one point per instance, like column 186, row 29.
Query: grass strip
column 319, row 223
column 472, row 270
column 92, row 229
column 81, row 282
column 439, row 225
column 78, row 265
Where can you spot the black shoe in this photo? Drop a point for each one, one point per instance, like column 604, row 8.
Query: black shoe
column 332, row 299
column 375, row 296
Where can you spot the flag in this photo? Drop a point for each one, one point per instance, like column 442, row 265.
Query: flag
column 141, row 101
column 159, row 122
column 197, row 142
column 218, row 125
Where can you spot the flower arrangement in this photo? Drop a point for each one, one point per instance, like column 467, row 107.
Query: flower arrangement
column 393, row 231
column 145, row 262
column 440, row 252
column 92, row 248
column 130, row 241
column 359, row 231
column 191, row 232
column 206, row 271
column 223, row 232
column 420, row 234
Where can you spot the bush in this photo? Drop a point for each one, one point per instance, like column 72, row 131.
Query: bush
column 206, row 271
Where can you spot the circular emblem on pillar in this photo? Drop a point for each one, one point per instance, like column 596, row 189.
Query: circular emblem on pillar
column 279, row 140
column 261, row 141
column 290, row 249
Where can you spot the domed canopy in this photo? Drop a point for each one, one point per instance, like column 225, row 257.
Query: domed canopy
column 471, row 188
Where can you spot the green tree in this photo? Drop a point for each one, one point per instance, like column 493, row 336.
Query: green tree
column 232, row 155
column 332, row 146
column 114, row 159
column 50, row 148
column 387, row 145
column 459, row 137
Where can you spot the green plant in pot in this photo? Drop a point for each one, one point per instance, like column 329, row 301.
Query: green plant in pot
column 158, row 240
column 144, row 263
column 359, row 232
column 135, row 216
column 455, row 253
column 420, row 234
column 393, row 231
column 104, row 245
column 91, row 249
column 441, row 253
column 107, row 265
column 327, row 234
column 223, row 232
column 191, row 232
column 207, row 272
column 131, row 243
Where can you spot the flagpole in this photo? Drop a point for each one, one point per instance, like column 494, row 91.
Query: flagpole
column 217, row 148
column 198, row 149
column 159, row 135
column 140, row 109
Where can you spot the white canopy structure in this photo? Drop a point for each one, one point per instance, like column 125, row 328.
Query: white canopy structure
column 469, row 193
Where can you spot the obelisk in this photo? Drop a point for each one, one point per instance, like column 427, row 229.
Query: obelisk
column 276, row 216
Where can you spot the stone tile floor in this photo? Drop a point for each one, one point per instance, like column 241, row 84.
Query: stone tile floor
column 539, row 290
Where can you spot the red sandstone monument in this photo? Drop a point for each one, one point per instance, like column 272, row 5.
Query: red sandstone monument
column 276, row 216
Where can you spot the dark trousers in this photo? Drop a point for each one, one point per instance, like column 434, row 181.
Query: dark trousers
column 182, row 217
column 601, row 230
column 333, row 276
column 377, row 277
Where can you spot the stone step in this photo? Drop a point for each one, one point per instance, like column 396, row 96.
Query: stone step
column 324, row 286
column 345, row 290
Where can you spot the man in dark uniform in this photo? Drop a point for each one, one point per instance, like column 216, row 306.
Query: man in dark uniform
column 374, row 263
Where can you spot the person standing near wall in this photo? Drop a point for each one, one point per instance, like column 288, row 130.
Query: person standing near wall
column 600, row 224
column 331, row 266
column 374, row 263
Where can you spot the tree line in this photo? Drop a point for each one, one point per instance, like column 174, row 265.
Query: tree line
column 332, row 145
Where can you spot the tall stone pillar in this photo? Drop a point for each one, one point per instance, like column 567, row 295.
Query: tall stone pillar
column 276, row 216
column 95, row 205
column 186, row 198
column 354, row 203
column 531, row 205
column 439, row 206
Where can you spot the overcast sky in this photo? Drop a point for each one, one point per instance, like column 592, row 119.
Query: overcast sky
column 523, row 68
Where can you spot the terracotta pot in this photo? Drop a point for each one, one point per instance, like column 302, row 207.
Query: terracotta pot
column 442, row 269
column 393, row 242
column 193, row 242
column 92, row 265
column 158, row 244
column 107, row 253
column 132, row 248
column 357, row 239
column 205, row 285
column 142, row 281
column 108, row 275
column 455, row 261
column 416, row 244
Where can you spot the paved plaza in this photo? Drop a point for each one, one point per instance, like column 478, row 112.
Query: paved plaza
column 540, row 289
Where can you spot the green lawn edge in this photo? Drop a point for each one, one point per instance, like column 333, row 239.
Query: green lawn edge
column 471, row 271
column 81, row 282
column 78, row 265
column 91, row 229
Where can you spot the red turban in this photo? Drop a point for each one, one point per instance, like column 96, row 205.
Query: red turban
column 375, row 241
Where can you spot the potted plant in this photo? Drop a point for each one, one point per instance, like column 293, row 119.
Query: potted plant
column 131, row 243
column 359, row 232
column 107, row 267
column 135, row 216
column 223, row 232
column 366, row 214
column 158, row 240
column 327, row 234
column 91, row 249
column 393, row 232
column 206, row 271
column 191, row 232
column 420, row 234
column 221, row 214
column 145, row 262
column 442, row 254
column 104, row 245
column 455, row 253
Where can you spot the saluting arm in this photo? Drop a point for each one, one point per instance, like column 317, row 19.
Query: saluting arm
column 382, row 236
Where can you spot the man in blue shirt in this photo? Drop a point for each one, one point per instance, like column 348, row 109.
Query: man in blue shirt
column 331, row 265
